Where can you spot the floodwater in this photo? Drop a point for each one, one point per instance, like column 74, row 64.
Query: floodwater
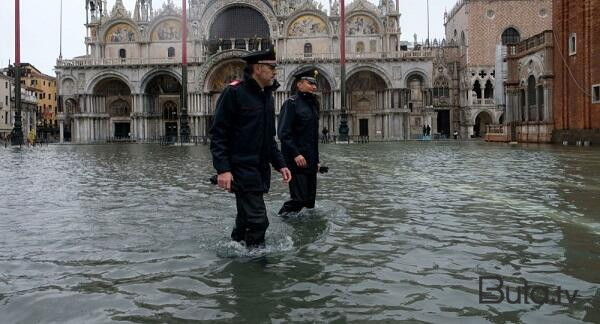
column 401, row 232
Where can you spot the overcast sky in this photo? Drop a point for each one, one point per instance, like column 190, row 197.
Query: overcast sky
column 40, row 21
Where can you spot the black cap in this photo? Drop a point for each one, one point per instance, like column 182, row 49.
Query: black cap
column 310, row 76
column 261, row 57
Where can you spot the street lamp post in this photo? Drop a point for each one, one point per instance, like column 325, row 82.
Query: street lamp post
column 16, row 135
column 184, row 132
column 343, row 129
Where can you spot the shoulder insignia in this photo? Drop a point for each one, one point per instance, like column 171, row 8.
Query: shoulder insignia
column 235, row 82
column 293, row 98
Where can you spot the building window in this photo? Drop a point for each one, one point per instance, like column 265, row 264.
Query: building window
column 510, row 36
column 308, row 50
column 573, row 44
column 6, row 100
column 596, row 93
column 360, row 47
column 531, row 91
column 6, row 85
column 122, row 53
column 477, row 89
column 489, row 90
column 463, row 39
column 171, row 52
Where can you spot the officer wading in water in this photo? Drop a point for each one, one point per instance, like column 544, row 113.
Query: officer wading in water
column 243, row 144
column 298, row 132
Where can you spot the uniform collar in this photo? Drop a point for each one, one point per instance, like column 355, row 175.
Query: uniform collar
column 249, row 80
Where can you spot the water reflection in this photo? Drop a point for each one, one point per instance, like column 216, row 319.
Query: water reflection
column 402, row 231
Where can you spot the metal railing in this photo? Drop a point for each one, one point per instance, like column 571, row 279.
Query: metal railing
column 77, row 62
column 495, row 129
column 358, row 56
column 173, row 139
column 482, row 102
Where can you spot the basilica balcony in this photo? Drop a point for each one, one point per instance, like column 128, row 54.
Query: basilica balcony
column 91, row 62
column 484, row 102
column 325, row 57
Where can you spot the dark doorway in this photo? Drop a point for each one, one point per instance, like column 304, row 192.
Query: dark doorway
column 363, row 127
column 443, row 123
column 122, row 130
column 171, row 129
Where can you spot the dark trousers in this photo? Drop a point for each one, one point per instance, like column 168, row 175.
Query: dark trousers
column 303, row 192
column 251, row 222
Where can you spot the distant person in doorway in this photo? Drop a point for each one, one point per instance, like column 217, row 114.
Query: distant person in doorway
column 428, row 130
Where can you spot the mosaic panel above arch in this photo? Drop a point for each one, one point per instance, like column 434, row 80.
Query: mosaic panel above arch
column 307, row 25
column 225, row 74
column 168, row 30
column 121, row 33
column 361, row 25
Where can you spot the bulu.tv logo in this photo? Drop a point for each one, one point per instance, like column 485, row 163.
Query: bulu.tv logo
column 491, row 292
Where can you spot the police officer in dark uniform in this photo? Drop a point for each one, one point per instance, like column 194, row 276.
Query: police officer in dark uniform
column 298, row 132
column 243, row 145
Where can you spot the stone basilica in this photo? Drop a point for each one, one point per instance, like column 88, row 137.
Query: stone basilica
column 128, row 84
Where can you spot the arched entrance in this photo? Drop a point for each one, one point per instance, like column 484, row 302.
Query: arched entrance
column 116, row 95
column 71, row 108
column 365, row 94
column 163, row 93
column 250, row 31
column 217, row 80
column 482, row 120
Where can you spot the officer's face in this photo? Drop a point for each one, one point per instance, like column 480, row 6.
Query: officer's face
column 306, row 86
column 266, row 74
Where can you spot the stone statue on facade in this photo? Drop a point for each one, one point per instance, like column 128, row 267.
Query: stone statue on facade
column 335, row 8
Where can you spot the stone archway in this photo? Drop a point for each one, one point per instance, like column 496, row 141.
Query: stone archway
column 482, row 120
column 220, row 77
column 116, row 101
column 162, row 104
column 365, row 95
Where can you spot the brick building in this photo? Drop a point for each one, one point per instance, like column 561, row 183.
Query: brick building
column 577, row 71
column 482, row 28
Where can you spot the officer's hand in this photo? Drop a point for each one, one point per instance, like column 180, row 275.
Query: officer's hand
column 225, row 180
column 300, row 161
column 286, row 174
column 318, row 167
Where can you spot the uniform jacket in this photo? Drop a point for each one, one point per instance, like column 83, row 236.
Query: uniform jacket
column 243, row 135
column 299, row 131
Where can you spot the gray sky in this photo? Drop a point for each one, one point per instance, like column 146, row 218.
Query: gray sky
column 40, row 27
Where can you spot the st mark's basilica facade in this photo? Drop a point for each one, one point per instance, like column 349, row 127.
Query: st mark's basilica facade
column 128, row 84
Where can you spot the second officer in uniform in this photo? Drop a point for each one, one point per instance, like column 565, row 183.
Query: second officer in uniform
column 298, row 132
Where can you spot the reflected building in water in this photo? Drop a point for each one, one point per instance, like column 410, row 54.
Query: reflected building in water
column 128, row 83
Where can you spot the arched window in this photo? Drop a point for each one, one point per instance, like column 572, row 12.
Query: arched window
column 489, row 90
column 531, row 91
column 477, row 89
column 170, row 110
column 441, row 89
column 510, row 36
column 523, row 106
column 122, row 53
column 171, row 52
column 463, row 39
column 540, row 91
column 308, row 50
column 360, row 47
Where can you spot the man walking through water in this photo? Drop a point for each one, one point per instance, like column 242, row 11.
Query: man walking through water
column 299, row 135
column 243, row 144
